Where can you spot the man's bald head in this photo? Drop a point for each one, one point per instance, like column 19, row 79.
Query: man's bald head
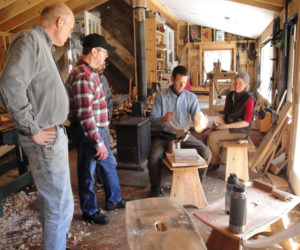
column 58, row 22
column 56, row 10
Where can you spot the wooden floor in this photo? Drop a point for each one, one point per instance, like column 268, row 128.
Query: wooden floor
column 21, row 229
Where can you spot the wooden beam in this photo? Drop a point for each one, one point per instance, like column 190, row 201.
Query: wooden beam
column 156, row 5
column 4, row 3
column 85, row 5
column 260, row 4
column 77, row 6
column 26, row 16
column 17, row 8
column 121, row 51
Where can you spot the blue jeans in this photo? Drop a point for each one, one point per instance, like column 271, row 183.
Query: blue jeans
column 51, row 175
column 86, row 164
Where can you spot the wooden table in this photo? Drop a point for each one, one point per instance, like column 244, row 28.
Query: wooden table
column 160, row 224
column 9, row 136
column 264, row 212
column 186, row 184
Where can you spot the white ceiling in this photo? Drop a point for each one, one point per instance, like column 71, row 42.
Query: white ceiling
column 245, row 20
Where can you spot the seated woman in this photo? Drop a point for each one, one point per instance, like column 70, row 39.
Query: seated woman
column 236, row 119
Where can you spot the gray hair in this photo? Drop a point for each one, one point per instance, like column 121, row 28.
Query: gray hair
column 244, row 76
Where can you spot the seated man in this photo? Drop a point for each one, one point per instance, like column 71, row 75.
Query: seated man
column 174, row 106
column 236, row 121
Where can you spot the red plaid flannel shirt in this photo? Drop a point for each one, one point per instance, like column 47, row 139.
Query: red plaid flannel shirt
column 87, row 101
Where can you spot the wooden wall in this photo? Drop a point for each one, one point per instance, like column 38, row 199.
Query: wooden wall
column 190, row 51
column 117, row 27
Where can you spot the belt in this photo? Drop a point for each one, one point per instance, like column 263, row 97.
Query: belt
column 54, row 128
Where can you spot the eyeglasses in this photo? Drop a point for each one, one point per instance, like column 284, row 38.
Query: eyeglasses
column 71, row 29
column 102, row 50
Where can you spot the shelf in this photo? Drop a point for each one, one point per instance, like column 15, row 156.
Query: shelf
column 160, row 59
column 160, row 33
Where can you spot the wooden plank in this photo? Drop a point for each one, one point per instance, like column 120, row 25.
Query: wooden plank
column 17, row 8
column 275, row 169
column 237, row 162
column 121, row 51
column 279, row 182
column 4, row 3
column 26, row 16
column 236, row 144
column 268, row 140
column 259, row 4
column 85, row 5
column 156, row 5
column 160, row 223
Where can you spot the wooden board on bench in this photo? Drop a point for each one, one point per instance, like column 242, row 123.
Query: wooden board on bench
column 162, row 224
column 200, row 163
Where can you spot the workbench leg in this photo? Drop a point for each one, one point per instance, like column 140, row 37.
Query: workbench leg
column 237, row 162
column 280, row 225
column 187, row 188
column 218, row 240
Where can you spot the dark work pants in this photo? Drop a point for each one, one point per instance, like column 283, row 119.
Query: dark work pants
column 160, row 145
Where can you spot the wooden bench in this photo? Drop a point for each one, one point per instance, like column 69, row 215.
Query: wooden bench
column 160, row 223
column 186, row 184
column 237, row 158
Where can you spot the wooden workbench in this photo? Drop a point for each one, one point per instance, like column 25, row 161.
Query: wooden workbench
column 9, row 136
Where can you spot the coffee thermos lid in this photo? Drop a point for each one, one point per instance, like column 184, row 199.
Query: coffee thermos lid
column 232, row 178
column 239, row 187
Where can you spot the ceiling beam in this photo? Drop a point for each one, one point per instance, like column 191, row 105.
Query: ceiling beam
column 4, row 3
column 265, row 4
column 17, row 8
column 121, row 50
column 81, row 6
column 156, row 5
column 26, row 16
column 280, row 3
column 77, row 6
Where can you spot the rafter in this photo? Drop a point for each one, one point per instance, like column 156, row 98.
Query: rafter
column 4, row 3
column 85, row 5
column 156, row 5
column 275, row 5
column 17, row 8
column 78, row 6
column 26, row 16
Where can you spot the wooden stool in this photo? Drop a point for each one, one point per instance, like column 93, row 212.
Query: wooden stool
column 160, row 223
column 237, row 158
column 186, row 184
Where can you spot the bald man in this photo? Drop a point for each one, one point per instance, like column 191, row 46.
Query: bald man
column 32, row 90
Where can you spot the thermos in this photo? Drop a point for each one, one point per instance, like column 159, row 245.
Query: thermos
column 232, row 179
column 238, row 209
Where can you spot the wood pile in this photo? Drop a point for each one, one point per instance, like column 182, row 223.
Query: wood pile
column 273, row 145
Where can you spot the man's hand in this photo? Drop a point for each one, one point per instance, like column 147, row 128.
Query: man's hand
column 101, row 153
column 43, row 136
column 169, row 116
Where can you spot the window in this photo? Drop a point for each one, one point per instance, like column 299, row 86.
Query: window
column 266, row 72
column 213, row 56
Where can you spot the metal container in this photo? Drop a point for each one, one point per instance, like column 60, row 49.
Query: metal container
column 232, row 180
column 238, row 209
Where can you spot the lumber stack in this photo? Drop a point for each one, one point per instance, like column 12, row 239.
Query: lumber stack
column 269, row 146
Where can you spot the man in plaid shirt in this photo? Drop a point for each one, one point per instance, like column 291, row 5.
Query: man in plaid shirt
column 89, row 117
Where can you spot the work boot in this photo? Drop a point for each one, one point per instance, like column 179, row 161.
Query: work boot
column 213, row 167
column 155, row 192
column 96, row 218
column 112, row 206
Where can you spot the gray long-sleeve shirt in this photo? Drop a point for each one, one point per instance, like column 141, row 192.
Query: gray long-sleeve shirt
column 31, row 88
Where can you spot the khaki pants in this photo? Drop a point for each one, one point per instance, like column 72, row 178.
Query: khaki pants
column 220, row 135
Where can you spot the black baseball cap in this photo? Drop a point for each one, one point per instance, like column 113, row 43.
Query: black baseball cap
column 95, row 40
